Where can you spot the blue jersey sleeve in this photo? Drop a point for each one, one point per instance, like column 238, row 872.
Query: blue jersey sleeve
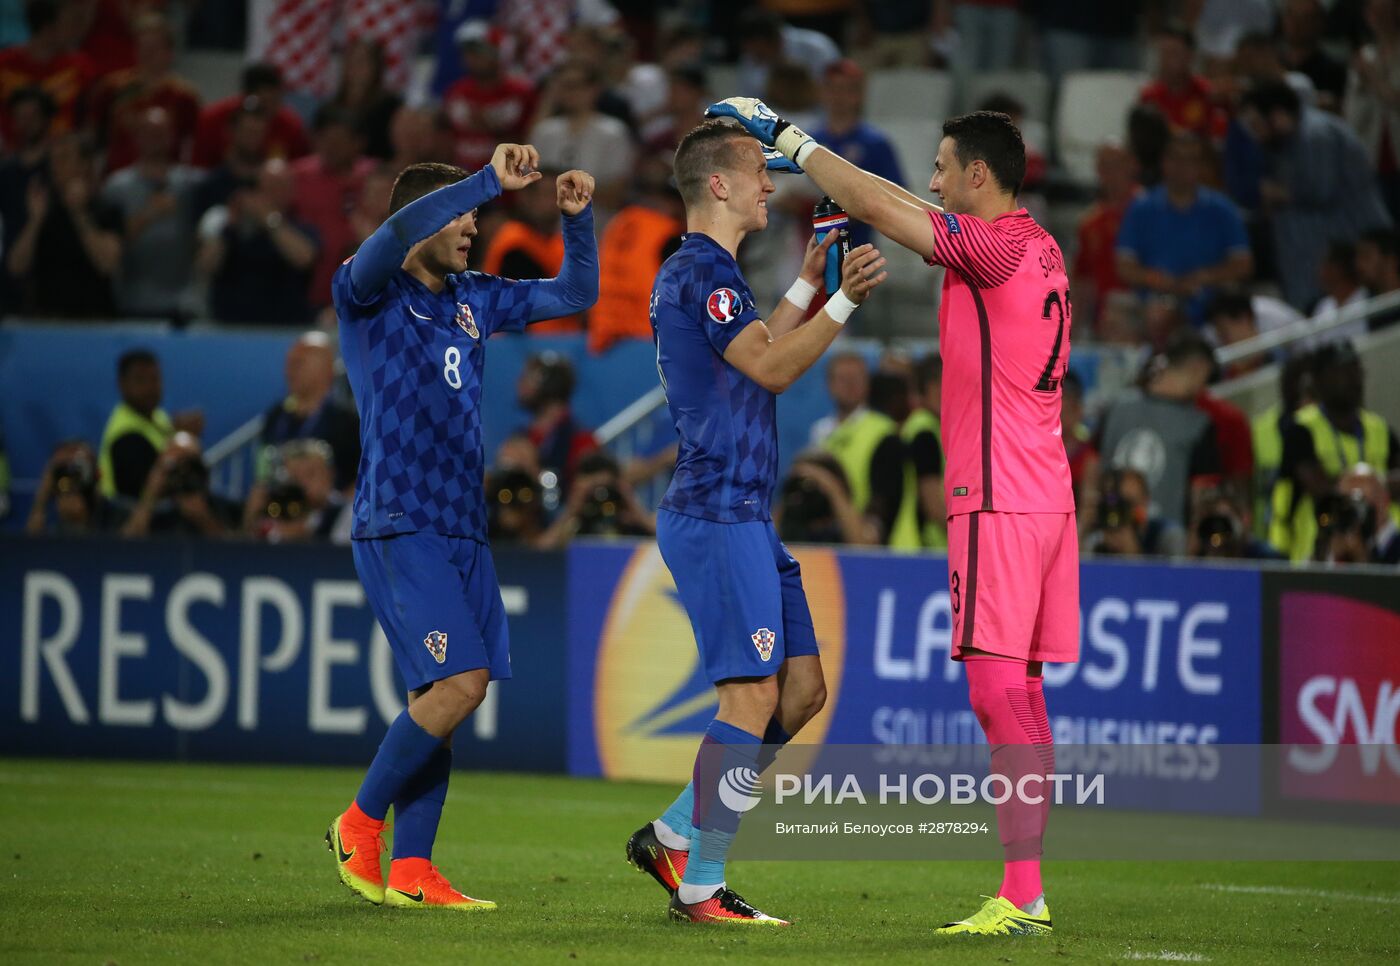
column 511, row 305
column 724, row 306
column 383, row 252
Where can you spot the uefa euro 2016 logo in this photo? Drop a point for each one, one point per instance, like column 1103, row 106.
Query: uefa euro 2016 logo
column 436, row 643
column 723, row 305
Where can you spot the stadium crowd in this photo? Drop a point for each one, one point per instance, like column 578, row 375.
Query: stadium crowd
column 1255, row 183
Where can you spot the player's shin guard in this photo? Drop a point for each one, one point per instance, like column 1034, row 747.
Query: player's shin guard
column 418, row 807
column 1045, row 739
column 726, row 784
column 404, row 751
column 997, row 688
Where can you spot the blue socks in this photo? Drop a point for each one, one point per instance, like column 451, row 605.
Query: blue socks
column 721, row 790
column 404, row 751
column 418, row 807
column 676, row 819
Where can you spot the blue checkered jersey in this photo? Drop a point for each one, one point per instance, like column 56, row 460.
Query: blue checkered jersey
column 414, row 359
column 728, row 458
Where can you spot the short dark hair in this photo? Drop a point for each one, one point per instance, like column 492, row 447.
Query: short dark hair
column 1385, row 240
column 33, row 94
column 1229, row 302
column 132, row 358
column 690, row 74
column 40, row 14
column 417, row 180
column 258, row 75
column 759, row 24
column 927, row 371
column 709, row 147
column 1177, row 30
column 990, row 137
column 1071, row 384
column 1256, row 40
column 1273, row 96
column 1342, row 256
column 887, row 391
column 330, row 115
column 1186, row 347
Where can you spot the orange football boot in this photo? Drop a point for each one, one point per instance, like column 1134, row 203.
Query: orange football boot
column 356, row 844
column 417, row 884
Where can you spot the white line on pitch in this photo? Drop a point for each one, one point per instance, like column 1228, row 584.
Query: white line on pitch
column 1167, row 956
column 1385, row 900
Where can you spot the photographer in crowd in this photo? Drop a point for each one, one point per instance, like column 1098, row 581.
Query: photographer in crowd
column 1126, row 526
column 601, row 503
column 176, row 498
column 68, row 493
column 814, row 505
column 300, row 502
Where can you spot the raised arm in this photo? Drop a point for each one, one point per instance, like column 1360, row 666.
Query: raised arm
column 776, row 363
column 889, row 209
column 513, row 166
column 383, row 252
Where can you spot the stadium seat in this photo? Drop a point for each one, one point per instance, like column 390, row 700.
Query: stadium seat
column 916, row 144
column 723, row 81
column 214, row 73
column 1093, row 108
column 1030, row 87
column 908, row 93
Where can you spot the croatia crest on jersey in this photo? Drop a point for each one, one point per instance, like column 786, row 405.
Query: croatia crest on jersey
column 764, row 639
column 723, row 305
column 467, row 321
column 436, row 643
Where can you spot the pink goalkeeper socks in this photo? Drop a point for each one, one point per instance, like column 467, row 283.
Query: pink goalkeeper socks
column 1011, row 715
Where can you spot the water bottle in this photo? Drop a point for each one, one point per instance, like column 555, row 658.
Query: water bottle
column 828, row 216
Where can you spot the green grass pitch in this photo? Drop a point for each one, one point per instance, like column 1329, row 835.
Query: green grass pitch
column 133, row 863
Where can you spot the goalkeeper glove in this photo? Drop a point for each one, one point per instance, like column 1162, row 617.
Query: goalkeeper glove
column 759, row 120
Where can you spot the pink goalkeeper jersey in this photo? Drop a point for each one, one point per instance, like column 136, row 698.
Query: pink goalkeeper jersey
column 1003, row 330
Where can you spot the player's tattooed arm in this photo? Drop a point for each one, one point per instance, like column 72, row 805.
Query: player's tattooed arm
column 777, row 363
column 788, row 315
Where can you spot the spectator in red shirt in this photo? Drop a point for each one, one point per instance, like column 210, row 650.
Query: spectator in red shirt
column 1185, row 98
column 46, row 61
column 286, row 137
column 488, row 106
column 122, row 97
column 329, row 184
column 1096, row 264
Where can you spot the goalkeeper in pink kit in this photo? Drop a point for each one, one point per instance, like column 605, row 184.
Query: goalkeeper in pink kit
column 1013, row 553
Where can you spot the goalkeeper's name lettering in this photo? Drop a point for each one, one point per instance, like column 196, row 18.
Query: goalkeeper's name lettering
column 931, row 789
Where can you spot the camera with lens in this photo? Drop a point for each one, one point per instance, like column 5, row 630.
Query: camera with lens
column 286, row 501
column 187, row 477
column 75, row 475
column 513, row 503
column 1346, row 514
column 807, row 513
column 599, row 514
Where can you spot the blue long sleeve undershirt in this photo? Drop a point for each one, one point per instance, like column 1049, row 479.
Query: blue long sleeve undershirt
column 382, row 254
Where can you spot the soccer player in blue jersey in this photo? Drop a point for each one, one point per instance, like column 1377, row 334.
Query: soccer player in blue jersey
column 722, row 367
column 413, row 329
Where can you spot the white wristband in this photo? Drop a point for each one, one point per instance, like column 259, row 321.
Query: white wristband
column 801, row 293
column 795, row 144
column 839, row 308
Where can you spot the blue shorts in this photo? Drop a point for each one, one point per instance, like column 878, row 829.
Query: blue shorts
column 743, row 592
column 439, row 604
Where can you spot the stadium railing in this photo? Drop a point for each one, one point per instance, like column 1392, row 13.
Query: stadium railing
column 1380, row 351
